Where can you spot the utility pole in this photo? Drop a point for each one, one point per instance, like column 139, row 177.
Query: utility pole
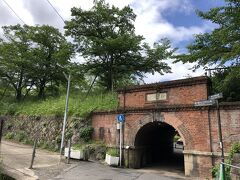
column 222, row 166
column 66, row 112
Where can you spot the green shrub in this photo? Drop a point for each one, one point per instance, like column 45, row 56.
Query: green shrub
column 9, row 135
column 58, row 139
column 215, row 170
column 12, row 109
column 113, row 152
column 95, row 150
column 86, row 133
column 234, row 149
column 69, row 134
column 21, row 136
column 78, row 146
column 44, row 145
column 27, row 141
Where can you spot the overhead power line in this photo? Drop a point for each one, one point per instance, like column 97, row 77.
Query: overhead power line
column 13, row 11
column 55, row 10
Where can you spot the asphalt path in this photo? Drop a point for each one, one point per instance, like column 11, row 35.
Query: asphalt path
column 16, row 160
column 97, row 171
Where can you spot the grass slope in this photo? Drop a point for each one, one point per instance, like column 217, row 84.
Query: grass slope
column 78, row 105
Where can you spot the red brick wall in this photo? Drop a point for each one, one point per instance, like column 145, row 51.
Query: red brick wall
column 192, row 126
column 176, row 95
column 230, row 121
column 198, row 129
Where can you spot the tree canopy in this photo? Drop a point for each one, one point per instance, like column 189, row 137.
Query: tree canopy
column 105, row 37
column 220, row 46
column 33, row 56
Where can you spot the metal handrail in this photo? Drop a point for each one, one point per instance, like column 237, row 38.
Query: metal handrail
column 237, row 167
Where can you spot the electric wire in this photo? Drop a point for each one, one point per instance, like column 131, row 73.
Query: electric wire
column 55, row 10
column 14, row 11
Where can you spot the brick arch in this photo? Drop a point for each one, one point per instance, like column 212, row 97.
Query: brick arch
column 171, row 120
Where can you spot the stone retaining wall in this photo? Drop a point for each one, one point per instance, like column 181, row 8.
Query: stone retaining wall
column 46, row 129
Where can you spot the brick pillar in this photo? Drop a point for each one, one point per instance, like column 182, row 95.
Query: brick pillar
column 198, row 164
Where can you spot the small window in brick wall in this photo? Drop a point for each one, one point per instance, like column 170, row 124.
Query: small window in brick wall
column 101, row 133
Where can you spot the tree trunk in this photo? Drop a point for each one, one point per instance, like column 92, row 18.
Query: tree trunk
column 19, row 94
column 19, row 87
column 109, row 84
column 41, row 93
column 110, row 77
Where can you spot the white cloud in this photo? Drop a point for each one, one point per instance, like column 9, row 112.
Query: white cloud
column 151, row 24
column 23, row 13
column 179, row 70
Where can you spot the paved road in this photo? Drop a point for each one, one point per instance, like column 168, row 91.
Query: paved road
column 97, row 171
column 16, row 159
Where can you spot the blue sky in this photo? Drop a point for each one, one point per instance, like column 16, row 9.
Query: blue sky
column 156, row 19
column 189, row 18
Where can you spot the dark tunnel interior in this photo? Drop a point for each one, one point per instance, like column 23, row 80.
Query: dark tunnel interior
column 155, row 147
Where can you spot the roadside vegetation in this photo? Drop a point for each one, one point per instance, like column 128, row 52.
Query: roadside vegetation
column 79, row 105
column 235, row 148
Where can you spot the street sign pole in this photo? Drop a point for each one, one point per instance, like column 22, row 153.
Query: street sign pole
column 120, row 144
column 220, row 140
column 216, row 97
column 213, row 99
column 120, row 119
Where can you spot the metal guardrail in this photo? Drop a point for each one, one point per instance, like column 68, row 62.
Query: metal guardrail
column 237, row 167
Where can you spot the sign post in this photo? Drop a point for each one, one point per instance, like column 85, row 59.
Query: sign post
column 213, row 99
column 120, row 145
column 120, row 119
column 216, row 97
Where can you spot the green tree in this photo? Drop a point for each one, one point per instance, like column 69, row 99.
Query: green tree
column 33, row 56
column 105, row 37
column 220, row 46
column 14, row 58
column 227, row 81
column 51, row 56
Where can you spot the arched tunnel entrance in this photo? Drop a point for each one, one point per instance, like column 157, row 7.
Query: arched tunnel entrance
column 155, row 147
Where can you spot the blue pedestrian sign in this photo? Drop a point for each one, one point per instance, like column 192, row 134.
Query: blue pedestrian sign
column 120, row 118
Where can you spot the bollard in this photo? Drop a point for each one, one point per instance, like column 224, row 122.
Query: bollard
column 1, row 128
column 33, row 153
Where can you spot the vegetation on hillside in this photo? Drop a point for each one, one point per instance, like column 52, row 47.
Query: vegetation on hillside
column 79, row 105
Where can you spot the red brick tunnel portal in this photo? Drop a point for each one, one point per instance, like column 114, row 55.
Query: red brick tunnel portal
column 155, row 147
